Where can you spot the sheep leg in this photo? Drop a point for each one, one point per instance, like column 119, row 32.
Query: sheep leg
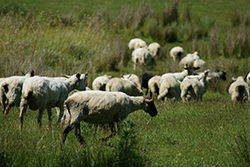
column 60, row 114
column 78, row 134
column 39, row 118
column 66, row 131
column 3, row 103
column 22, row 112
column 49, row 115
column 7, row 109
column 112, row 127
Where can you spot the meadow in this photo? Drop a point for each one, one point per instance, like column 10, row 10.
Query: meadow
column 54, row 38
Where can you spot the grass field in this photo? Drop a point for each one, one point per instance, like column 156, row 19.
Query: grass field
column 65, row 37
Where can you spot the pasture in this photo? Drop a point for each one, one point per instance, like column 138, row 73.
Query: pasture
column 54, row 38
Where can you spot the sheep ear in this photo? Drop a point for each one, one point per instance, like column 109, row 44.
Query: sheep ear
column 86, row 74
column 32, row 73
column 78, row 75
column 148, row 99
column 234, row 79
column 66, row 76
column 196, row 68
column 121, row 75
column 22, row 72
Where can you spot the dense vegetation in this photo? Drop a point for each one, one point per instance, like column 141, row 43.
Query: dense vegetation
column 54, row 37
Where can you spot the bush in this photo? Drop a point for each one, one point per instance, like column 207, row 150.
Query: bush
column 170, row 13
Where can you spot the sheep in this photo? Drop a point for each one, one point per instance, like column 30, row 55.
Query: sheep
column 200, row 63
column 155, row 49
column 100, row 82
column 136, row 43
column 215, row 76
column 141, row 56
column 239, row 90
column 153, row 85
column 99, row 107
column 11, row 90
column 169, row 88
column 121, row 85
column 181, row 75
column 188, row 60
column 45, row 93
column 144, row 78
column 134, row 78
column 194, row 86
column 177, row 53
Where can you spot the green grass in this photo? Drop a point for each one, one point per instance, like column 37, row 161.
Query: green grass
column 182, row 134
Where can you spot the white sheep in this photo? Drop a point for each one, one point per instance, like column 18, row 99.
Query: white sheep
column 239, row 90
column 98, row 107
column 181, row 75
column 194, row 86
column 177, row 53
column 169, row 88
column 121, row 85
column 136, row 43
column 153, row 86
column 141, row 56
column 200, row 63
column 100, row 82
column 155, row 49
column 134, row 78
column 45, row 93
column 11, row 90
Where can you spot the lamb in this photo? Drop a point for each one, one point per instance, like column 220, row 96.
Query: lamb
column 194, row 86
column 239, row 90
column 190, row 70
column 136, row 43
column 121, row 85
column 141, row 56
column 155, row 49
column 99, row 107
column 134, row 78
column 215, row 76
column 153, row 85
column 189, row 59
column 45, row 93
column 177, row 53
column 169, row 88
column 144, row 78
column 100, row 82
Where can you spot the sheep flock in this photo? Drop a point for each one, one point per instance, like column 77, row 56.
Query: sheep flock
column 112, row 99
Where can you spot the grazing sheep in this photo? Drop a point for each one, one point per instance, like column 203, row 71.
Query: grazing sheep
column 45, row 93
column 100, row 82
column 133, row 78
column 141, row 56
column 99, row 107
column 169, row 88
column 136, row 43
column 125, row 86
column 190, row 70
column 215, row 76
column 144, row 78
column 194, row 86
column 153, row 85
column 239, row 90
column 177, row 53
column 155, row 49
